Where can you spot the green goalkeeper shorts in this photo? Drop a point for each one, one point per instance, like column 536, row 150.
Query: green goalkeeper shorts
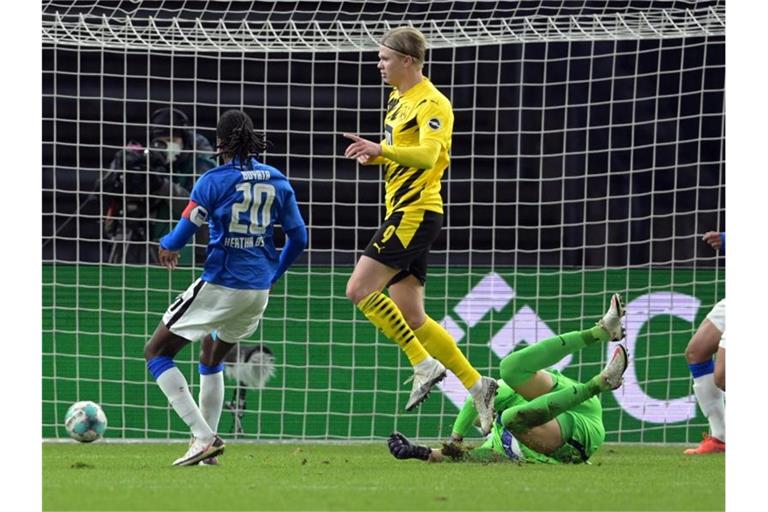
column 581, row 428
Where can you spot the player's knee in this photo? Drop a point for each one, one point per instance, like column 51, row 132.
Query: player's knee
column 206, row 357
column 694, row 352
column 355, row 293
column 520, row 421
column 414, row 316
column 510, row 367
column 210, row 358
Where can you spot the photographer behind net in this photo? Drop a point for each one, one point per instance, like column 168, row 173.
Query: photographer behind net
column 149, row 187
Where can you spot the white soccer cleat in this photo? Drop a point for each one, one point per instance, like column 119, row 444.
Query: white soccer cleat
column 210, row 461
column 423, row 380
column 611, row 321
column 200, row 450
column 483, row 401
column 613, row 373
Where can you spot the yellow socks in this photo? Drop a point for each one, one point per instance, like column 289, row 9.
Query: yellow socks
column 442, row 346
column 385, row 315
column 429, row 339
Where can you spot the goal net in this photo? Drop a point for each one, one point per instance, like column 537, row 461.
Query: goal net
column 587, row 159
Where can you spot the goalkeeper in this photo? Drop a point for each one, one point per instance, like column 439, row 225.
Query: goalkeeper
column 543, row 415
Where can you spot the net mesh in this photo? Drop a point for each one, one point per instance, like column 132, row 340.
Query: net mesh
column 588, row 158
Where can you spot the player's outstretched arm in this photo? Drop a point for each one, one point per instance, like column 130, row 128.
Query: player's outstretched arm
column 401, row 448
column 366, row 152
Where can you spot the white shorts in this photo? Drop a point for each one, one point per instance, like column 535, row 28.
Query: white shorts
column 204, row 307
column 717, row 316
column 722, row 341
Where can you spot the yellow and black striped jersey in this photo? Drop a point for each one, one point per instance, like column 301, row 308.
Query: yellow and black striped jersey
column 412, row 118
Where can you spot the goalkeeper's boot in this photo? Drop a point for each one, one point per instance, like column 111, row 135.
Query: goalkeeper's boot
column 708, row 445
column 423, row 380
column 483, row 400
column 611, row 321
column 401, row 448
column 200, row 450
column 612, row 376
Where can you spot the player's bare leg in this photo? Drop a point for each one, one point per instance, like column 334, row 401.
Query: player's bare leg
column 364, row 290
column 698, row 353
column 163, row 343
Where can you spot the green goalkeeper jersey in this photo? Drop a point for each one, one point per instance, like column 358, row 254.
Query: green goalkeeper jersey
column 581, row 426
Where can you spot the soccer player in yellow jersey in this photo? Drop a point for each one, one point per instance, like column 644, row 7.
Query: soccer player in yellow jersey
column 415, row 153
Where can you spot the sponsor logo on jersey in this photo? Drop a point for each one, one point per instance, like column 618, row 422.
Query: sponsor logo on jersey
column 434, row 123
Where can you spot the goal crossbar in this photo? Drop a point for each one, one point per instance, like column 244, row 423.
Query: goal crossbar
column 202, row 35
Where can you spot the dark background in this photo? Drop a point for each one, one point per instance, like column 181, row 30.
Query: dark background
column 574, row 154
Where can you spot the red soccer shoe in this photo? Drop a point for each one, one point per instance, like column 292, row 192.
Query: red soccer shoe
column 708, row 445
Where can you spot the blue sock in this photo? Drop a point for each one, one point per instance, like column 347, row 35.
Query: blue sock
column 158, row 365
column 701, row 369
column 208, row 370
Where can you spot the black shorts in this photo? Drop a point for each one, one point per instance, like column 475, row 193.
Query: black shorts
column 403, row 242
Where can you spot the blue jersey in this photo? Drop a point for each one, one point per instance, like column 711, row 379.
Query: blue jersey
column 241, row 206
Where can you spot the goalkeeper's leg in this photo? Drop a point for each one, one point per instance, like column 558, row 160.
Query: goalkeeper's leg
column 534, row 423
column 520, row 370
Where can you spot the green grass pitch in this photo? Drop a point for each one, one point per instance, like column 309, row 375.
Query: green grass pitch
column 105, row 476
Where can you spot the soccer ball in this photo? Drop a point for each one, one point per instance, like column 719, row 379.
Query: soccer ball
column 85, row 421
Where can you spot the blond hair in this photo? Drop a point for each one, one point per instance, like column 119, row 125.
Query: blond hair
column 408, row 41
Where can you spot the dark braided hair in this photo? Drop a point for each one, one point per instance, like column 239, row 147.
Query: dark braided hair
column 237, row 138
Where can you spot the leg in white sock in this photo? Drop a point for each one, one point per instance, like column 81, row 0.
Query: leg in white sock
column 211, row 398
column 175, row 387
column 712, row 404
column 698, row 353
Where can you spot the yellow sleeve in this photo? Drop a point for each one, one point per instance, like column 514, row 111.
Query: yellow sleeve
column 436, row 122
column 423, row 156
